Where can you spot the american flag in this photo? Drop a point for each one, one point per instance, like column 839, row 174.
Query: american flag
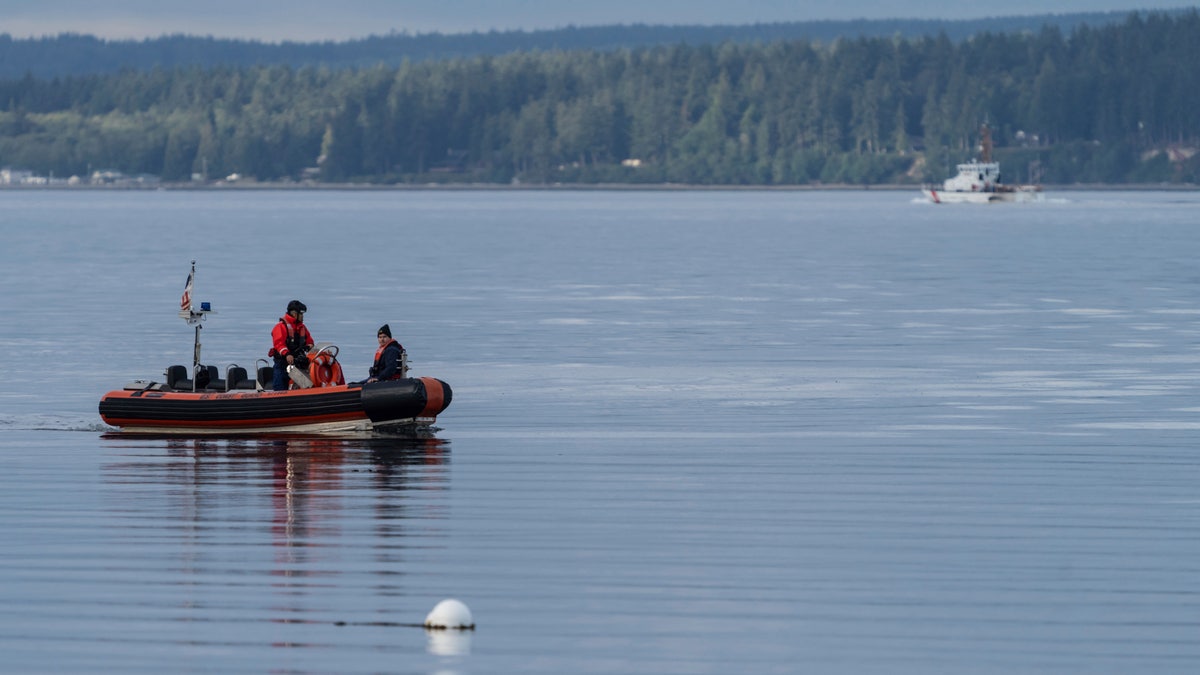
column 185, row 303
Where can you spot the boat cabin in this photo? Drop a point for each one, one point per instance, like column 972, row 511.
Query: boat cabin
column 974, row 177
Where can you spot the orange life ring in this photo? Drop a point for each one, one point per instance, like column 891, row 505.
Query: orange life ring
column 325, row 371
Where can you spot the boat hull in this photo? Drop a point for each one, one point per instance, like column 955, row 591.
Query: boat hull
column 963, row 197
column 409, row 402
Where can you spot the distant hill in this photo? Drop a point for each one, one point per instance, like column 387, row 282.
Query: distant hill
column 1106, row 104
column 73, row 54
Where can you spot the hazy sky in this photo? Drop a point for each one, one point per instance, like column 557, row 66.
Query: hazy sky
column 308, row 20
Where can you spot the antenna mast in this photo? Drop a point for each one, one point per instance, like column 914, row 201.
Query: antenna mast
column 194, row 317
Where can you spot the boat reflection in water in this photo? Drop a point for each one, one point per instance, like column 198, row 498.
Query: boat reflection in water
column 293, row 532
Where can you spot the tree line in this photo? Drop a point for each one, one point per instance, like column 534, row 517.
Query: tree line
column 73, row 54
column 1114, row 103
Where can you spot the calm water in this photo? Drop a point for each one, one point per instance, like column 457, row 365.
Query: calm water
column 692, row 432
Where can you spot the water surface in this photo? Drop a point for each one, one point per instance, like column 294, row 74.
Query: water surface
column 692, row 432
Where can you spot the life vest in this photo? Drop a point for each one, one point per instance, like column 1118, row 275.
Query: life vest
column 379, row 366
column 297, row 338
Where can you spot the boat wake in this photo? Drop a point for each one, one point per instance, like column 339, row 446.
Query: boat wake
column 52, row 423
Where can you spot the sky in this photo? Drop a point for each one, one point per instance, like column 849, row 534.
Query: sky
column 316, row 20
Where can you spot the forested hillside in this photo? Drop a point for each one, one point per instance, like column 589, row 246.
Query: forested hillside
column 62, row 55
column 1115, row 103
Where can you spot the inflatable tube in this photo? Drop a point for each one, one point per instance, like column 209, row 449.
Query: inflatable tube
column 406, row 398
column 150, row 407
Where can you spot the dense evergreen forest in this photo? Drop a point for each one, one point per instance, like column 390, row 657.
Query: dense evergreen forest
column 69, row 54
column 1114, row 103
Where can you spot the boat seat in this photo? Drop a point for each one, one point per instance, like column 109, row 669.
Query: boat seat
column 266, row 377
column 236, row 378
column 177, row 378
column 214, row 379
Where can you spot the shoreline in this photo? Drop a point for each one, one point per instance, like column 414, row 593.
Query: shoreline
column 569, row 187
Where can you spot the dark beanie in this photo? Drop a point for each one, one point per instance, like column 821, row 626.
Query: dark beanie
column 385, row 330
column 296, row 306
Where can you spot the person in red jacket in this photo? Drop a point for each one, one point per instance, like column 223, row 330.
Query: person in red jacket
column 290, row 342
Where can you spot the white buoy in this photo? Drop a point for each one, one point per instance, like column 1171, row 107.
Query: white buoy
column 450, row 614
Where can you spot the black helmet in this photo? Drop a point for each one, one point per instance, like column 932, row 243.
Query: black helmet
column 296, row 306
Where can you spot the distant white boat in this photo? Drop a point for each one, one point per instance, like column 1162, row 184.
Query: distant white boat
column 978, row 182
